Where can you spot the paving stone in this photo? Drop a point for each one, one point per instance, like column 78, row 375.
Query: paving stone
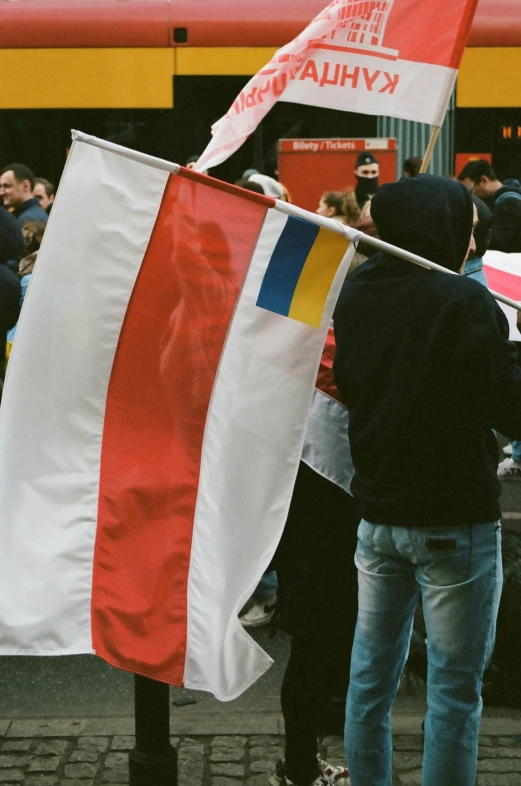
column 412, row 778
column 57, row 747
column 100, row 744
column 229, row 769
column 116, row 775
column 174, row 741
column 498, row 779
column 500, row 765
column 227, row 754
column 74, row 782
column 407, row 761
column 11, row 776
column 81, row 770
column 84, row 756
column 44, row 780
column 265, row 752
column 408, row 742
column 4, row 726
column 485, row 742
column 256, row 780
column 14, row 760
column 219, row 781
column 190, row 773
column 508, row 741
column 191, row 751
column 262, row 765
column 232, row 741
column 116, row 760
column 122, row 743
column 15, row 745
column 44, row 764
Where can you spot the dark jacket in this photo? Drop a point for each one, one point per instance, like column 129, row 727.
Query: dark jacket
column 425, row 367
column 505, row 230
column 11, row 248
column 30, row 209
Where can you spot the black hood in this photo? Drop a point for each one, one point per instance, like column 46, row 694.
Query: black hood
column 428, row 215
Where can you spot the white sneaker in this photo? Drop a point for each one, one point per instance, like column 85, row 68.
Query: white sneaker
column 329, row 775
column 509, row 470
column 260, row 613
column 507, row 450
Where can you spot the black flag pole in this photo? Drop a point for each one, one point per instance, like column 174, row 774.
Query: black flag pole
column 153, row 760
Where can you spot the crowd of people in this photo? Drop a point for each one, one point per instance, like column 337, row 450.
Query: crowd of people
column 25, row 204
column 425, row 370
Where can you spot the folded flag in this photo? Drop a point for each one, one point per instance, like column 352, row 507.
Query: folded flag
column 154, row 414
column 503, row 272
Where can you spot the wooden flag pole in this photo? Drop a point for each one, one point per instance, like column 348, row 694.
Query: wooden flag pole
column 430, row 149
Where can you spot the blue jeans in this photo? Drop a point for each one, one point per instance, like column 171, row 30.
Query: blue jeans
column 516, row 450
column 458, row 574
column 266, row 587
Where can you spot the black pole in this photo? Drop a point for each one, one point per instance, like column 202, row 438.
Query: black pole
column 153, row 760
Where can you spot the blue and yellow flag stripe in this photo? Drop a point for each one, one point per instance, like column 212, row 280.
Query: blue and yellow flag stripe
column 301, row 270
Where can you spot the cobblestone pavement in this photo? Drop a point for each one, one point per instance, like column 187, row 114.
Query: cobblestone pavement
column 62, row 752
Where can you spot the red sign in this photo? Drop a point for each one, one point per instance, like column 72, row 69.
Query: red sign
column 465, row 158
column 308, row 167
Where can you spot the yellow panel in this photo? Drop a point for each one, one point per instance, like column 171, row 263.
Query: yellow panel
column 222, row 61
column 86, row 78
column 490, row 77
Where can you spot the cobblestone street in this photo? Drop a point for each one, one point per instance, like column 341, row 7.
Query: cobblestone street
column 86, row 753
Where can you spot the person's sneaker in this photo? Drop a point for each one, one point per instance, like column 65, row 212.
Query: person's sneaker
column 507, row 450
column 334, row 776
column 509, row 470
column 260, row 613
column 329, row 775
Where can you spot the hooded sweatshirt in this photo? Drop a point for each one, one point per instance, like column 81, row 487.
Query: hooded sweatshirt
column 425, row 367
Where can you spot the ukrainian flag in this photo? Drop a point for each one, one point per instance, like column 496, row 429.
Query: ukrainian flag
column 301, row 270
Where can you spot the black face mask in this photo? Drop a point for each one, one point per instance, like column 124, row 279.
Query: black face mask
column 366, row 187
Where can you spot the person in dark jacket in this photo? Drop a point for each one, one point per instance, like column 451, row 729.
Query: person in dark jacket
column 16, row 191
column 474, row 264
column 12, row 247
column 413, row 347
column 503, row 199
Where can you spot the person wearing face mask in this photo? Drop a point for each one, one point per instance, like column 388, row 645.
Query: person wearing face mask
column 412, row 348
column 367, row 172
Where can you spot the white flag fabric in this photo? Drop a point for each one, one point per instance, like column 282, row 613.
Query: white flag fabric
column 154, row 414
column 384, row 57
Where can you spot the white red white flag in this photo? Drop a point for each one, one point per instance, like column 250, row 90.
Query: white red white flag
column 153, row 416
column 383, row 57
column 503, row 272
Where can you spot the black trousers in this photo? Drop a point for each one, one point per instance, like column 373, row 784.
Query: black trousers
column 313, row 696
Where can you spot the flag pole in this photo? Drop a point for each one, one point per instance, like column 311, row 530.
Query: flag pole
column 153, row 760
column 430, row 149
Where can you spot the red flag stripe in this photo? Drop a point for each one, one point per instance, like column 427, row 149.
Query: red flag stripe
column 157, row 402
column 507, row 284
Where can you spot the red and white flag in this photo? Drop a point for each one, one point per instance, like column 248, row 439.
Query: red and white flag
column 153, row 416
column 503, row 272
column 380, row 57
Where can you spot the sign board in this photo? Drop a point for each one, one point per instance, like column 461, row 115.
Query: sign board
column 308, row 167
column 465, row 158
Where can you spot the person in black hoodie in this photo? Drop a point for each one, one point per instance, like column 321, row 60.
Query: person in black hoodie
column 426, row 370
